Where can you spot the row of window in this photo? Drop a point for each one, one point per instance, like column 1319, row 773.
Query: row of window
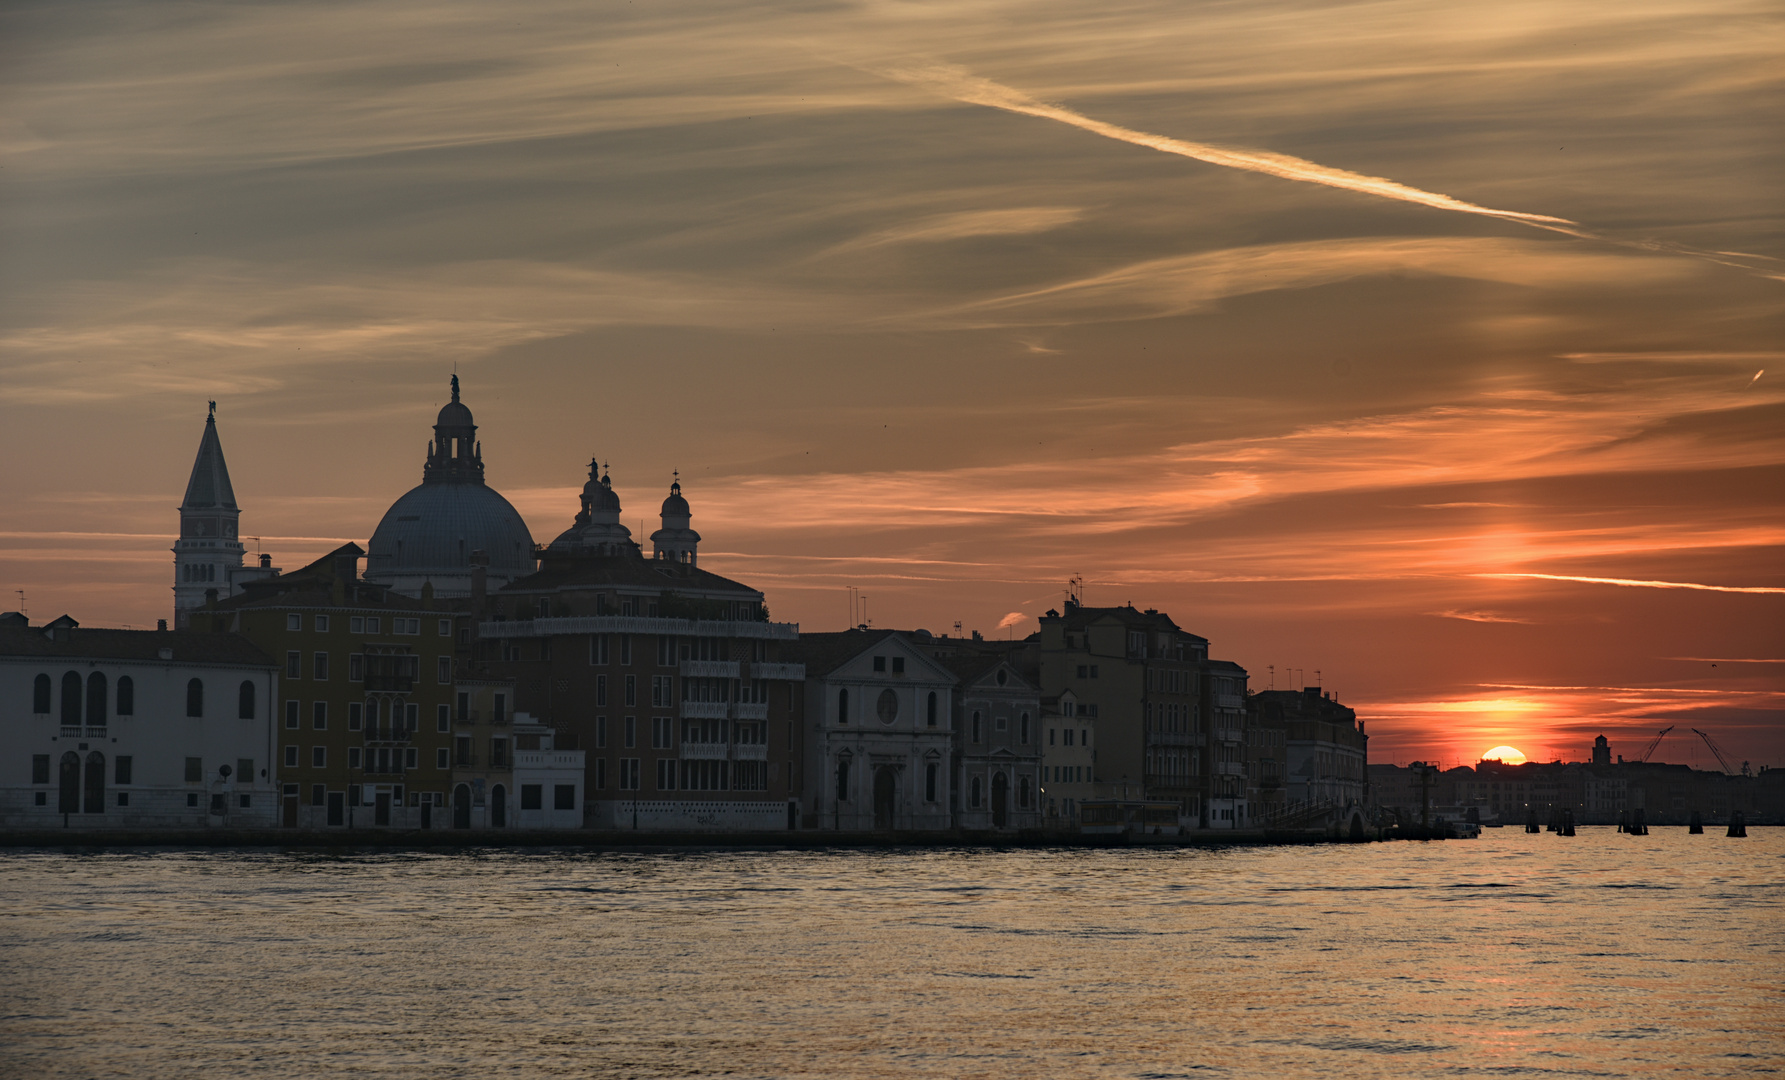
column 389, row 717
column 1067, row 735
column 368, row 624
column 362, row 665
column 674, row 774
column 81, row 782
column 92, row 700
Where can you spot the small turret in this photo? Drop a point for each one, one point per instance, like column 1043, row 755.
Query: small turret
column 676, row 542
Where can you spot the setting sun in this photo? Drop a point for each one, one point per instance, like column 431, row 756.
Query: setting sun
column 1511, row 755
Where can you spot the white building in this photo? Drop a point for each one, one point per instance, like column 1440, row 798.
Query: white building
column 548, row 781
column 998, row 743
column 879, row 732
column 133, row 728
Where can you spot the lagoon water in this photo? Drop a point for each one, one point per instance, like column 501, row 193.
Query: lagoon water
column 1514, row 955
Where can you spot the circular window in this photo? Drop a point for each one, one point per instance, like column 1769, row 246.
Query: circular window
column 887, row 706
column 1003, row 676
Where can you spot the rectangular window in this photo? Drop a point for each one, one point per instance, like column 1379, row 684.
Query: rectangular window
column 406, row 626
column 666, row 774
column 411, row 757
column 356, row 624
column 462, row 749
column 122, row 774
column 356, row 667
column 356, row 715
column 880, row 663
column 291, row 758
column 530, row 796
column 499, row 711
column 600, row 732
column 442, row 758
column 372, row 624
column 294, row 621
column 445, row 628
column 499, row 753
column 322, row 624
column 629, row 774
column 1084, row 672
column 631, row 732
column 246, row 802
column 600, row 774
column 666, row 650
column 319, row 715
column 294, row 665
column 1093, row 671
column 464, row 708
column 318, row 794
column 40, row 768
column 626, row 645
column 597, row 649
column 662, row 733
column 563, row 796
column 443, row 718
column 320, row 667
column 443, row 670
column 661, row 690
column 124, row 798
column 898, row 665
column 354, row 757
column 195, row 770
column 244, row 770
column 929, row 782
column 319, row 757
column 412, row 717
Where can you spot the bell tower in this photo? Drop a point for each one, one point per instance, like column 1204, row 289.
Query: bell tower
column 208, row 554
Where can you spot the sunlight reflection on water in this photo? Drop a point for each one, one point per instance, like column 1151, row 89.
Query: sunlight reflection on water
column 1514, row 955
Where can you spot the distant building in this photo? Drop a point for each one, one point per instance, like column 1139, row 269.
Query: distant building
column 364, row 728
column 133, row 728
column 997, row 746
column 1325, row 748
column 682, row 696
column 208, row 554
column 550, row 779
column 1223, row 706
column 1068, row 762
column 430, row 536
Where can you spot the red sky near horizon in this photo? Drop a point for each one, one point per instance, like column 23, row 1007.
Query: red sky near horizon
column 1409, row 344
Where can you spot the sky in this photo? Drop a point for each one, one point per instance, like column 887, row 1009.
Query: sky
column 1431, row 352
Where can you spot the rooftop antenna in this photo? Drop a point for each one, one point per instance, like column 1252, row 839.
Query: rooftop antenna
column 957, row 627
column 22, row 611
column 1317, row 680
column 1273, row 671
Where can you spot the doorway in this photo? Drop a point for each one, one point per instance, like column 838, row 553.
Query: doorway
column 68, row 796
column 461, row 807
column 885, row 798
column 1000, row 800
column 381, row 809
column 288, row 807
column 427, row 810
column 337, row 808
column 499, row 807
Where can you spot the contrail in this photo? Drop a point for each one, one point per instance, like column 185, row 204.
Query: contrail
column 957, row 83
column 1754, row 380
column 1636, row 583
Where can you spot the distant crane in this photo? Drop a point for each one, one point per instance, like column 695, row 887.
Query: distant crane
column 1654, row 742
column 1715, row 749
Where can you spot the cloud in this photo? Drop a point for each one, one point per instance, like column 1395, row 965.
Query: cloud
column 1015, row 618
column 1014, row 221
column 1478, row 616
column 1633, row 583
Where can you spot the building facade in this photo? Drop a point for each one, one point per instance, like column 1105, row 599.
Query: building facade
column 998, row 747
column 364, row 722
column 1068, row 762
column 133, row 728
column 1326, row 751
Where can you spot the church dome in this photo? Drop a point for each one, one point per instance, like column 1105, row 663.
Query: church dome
column 675, row 505
column 433, row 529
column 454, row 414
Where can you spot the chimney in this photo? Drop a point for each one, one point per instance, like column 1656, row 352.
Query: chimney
column 266, row 562
column 210, row 598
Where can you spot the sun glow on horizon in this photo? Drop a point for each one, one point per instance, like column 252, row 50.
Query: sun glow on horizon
column 1510, row 755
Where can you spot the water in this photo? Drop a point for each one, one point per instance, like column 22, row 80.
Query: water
column 1513, row 955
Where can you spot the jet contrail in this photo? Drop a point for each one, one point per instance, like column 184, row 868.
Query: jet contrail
column 1754, row 380
column 961, row 85
column 1636, row 583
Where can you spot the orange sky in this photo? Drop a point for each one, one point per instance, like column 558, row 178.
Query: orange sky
column 1409, row 343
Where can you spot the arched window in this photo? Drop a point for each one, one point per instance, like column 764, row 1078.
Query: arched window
column 843, row 780
column 930, row 714
column 842, row 708
column 929, row 777
column 126, row 696
column 973, row 793
column 245, row 701
column 68, row 797
column 195, row 697
column 40, row 695
column 1025, row 729
column 975, row 726
column 96, row 698
column 95, row 802
column 71, row 698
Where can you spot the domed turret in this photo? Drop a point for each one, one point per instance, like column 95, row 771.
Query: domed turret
column 597, row 529
column 430, row 533
column 676, row 542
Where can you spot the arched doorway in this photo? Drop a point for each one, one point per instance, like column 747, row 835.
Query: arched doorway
column 95, row 802
column 68, row 797
column 885, row 800
column 499, row 807
column 461, row 807
column 1000, row 800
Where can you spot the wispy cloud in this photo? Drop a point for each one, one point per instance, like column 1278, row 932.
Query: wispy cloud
column 1479, row 616
column 1641, row 584
column 939, row 228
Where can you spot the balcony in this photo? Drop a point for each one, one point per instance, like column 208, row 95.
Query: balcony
column 709, row 669
column 1172, row 738
column 788, row 672
column 639, row 624
column 752, row 710
column 706, row 710
column 1227, row 734
column 1230, row 768
column 1230, row 701
column 548, row 759
column 389, row 684
column 74, row 732
column 754, row 751
column 705, row 751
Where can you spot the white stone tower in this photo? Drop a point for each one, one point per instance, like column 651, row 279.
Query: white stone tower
column 676, row 542
column 208, row 554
